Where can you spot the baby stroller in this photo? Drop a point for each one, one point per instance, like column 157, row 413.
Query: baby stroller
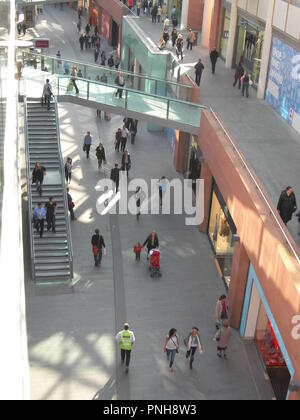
column 155, row 263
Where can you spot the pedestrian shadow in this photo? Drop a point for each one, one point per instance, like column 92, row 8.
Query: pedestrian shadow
column 108, row 392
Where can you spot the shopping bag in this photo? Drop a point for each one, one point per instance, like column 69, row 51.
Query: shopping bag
column 70, row 87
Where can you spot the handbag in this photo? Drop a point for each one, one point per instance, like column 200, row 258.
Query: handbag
column 84, row 148
column 95, row 250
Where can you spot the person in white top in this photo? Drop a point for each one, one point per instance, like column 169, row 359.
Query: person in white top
column 193, row 343
column 171, row 346
column 124, row 137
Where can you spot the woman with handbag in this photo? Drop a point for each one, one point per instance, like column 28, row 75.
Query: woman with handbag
column 171, row 347
column 192, row 343
column 100, row 153
column 71, row 205
column 223, row 338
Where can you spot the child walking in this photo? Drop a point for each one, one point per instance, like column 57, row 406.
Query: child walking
column 137, row 250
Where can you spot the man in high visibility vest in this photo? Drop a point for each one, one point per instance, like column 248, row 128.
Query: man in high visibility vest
column 125, row 339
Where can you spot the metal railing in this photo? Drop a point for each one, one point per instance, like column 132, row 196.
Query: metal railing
column 69, row 235
column 29, row 191
column 258, row 187
column 137, row 81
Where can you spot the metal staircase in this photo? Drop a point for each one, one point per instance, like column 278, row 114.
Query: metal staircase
column 52, row 255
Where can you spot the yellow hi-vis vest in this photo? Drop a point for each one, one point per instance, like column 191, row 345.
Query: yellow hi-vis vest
column 125, row 343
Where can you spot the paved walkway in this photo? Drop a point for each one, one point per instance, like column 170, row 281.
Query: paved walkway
column 71, row 335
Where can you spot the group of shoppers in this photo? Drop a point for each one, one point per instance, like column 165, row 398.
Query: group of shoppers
column 192, row 342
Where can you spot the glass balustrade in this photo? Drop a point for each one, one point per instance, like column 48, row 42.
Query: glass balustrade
column 91, row 72
column 149, row 105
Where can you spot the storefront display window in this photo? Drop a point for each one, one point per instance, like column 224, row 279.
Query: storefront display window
column 249, row 47
column 225, row 34
column 221, row 230
column 271, row 354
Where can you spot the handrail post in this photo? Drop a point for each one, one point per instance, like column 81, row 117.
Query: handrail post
column 155, row 87
column 88, row 90
column 126, row 101
column 53, row 64
column 84, row 71
column 168, row 109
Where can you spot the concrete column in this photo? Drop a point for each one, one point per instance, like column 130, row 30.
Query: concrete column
column 266, row 52
column 232, row 34
column 206, row 175
column 184, row 13
column 207, row 17
column 238, row 283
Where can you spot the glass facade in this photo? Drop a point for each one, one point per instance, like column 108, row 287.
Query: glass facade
column 220, row 231
column 250, row 40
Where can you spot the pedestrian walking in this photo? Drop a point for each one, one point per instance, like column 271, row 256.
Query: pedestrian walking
column 103, row 58
column 221, row 311
column 159, row 13
column 171, row 347
column 89, row 37
column 71, row 205
column 98, row 245
column 138, row 7
column 86, row 41
column 287, row 205
column 51, row 208
column 118, row 139
column 166, row 36
column 120, row 81
column 24, row 28
column 133, row 130
column 39, row 216
column 47, row 94
column 115, row 176
column 151, row 242
column 66, row 67
column 79, row 25
column 87, row 142
column 37, row 177
column 174, row 36
column 191, row 38
column 223, row 338
column 96, row 54
column 87, row 29
column 192, row 343
column 164, row 11
column 214, row 55
column 124, row 137
column 126, row 162
column 137, row 249
column 239, row 73
column 68, row 170
column 125, row 339
column 73, row 79
column 179, row 47
column 19, row 28
column 199, row 67
column 154, row 14
column 111, row 62
column 167, row 23
column 298, row 217
column 100, row 153
column 58, row 57
column 93, row 40
column 245, row 80
column 162, row 189
column 139, row 195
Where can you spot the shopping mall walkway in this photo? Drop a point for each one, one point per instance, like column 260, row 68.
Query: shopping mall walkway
column 71, row 335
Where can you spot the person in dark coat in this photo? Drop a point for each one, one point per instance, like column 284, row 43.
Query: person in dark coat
column 239, row 73
column 100, row 153
column 98, row 245
column 126, row 162
column 151, row 242
column 198, row 70
column 287, row 205
column 51, row 208
column 174, row 36
column 38, row 176
column 115, row 176
column 81, row 41
column 246, row 83
column 214, row 55
column 118, row 140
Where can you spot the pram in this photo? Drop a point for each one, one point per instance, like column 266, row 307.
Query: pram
column 155, row 263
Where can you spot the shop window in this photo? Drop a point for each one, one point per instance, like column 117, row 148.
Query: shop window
column 225, row 34
column 221, row 233
column 271, row 355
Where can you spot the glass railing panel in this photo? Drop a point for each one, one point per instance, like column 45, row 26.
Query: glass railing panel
column 148, row 105
column 185, row 113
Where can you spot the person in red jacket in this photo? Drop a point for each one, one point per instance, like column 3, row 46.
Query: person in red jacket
column 137, row 250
